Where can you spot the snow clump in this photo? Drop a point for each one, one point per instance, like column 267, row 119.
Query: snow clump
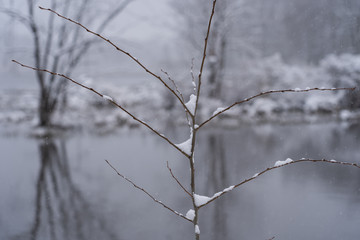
column 218, row 110
column 280, row 163
column 185, row 146
column 190, row 214
column 197, row 229
column 107, row 97
column 201, row 200
column 191, row 104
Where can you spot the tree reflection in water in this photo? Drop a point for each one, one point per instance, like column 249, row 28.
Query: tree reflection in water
column 61, row 210
column 323, row 195
column 217, row 180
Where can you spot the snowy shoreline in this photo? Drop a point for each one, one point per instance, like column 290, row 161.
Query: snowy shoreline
column 88, row 112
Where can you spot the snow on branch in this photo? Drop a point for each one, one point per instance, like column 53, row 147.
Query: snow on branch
column 186, row 153
column 191, row 104
column 280, row 163
column 203, row 200
column 197, row 229
column 120, row 50
column 190, row 214
column 218, row 110
column 147, row 193
column 108, row 98
column 185, row 146
column 296, row 90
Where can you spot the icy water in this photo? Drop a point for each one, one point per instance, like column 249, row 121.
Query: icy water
column 62, row 189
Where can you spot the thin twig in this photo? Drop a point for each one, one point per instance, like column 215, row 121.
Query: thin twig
column 270, row 92
column 204, row 55
column 124, row 52
column 23, row 19
column 177, row 180
column 110, row 100
column 146, row 192
column 275, row 167
column 179, row 92
column 174, row 83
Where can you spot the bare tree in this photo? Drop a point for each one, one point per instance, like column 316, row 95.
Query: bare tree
column 187, row 148
column 59, row 46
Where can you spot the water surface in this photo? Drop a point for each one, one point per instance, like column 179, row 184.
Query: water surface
column 61, row 188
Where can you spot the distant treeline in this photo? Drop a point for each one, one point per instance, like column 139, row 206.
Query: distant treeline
column 307, row 30
column 302, row 31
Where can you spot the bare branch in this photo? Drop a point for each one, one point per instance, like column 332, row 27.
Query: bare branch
column 146, row 192
column 124, row 52
column 112, row 15
column 217, row 195
column 49, row 38
column 179, row 92
column 21, row 18
column 110, row 100
column 204, row 54
column 177, row 180
column 174, row 83
column 270, row 92
column 87, row 44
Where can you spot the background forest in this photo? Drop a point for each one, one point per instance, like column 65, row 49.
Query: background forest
column 255, row 46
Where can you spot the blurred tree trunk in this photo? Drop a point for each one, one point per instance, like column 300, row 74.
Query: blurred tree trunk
column 217, row 52
column 194, row 21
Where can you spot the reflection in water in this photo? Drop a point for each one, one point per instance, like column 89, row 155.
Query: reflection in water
column 217, row 179
column 310, row 196
column 304, row 201
column 61, row 211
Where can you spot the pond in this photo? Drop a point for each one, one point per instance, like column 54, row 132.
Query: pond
column 61, row 188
